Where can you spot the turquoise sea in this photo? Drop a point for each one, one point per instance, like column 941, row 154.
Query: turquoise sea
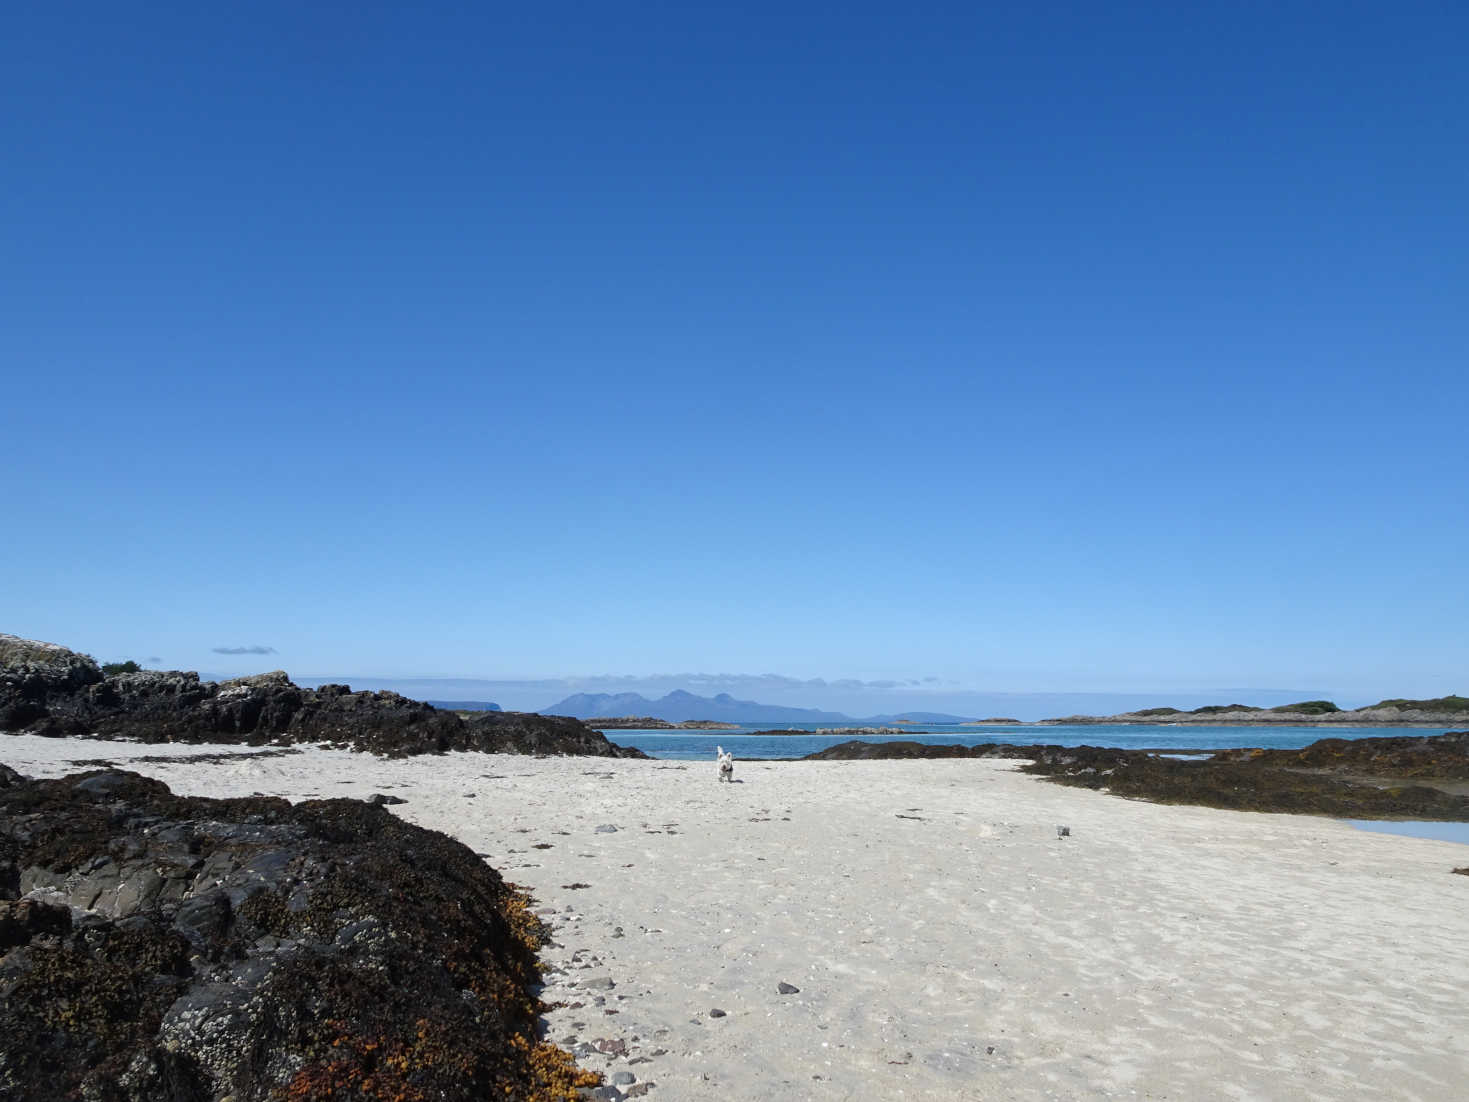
column 746, row 743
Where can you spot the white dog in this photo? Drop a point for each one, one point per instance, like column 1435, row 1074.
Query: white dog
column 726, row 764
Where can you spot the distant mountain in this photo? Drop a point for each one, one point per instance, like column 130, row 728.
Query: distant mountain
column 465, row 705
column 679, row 707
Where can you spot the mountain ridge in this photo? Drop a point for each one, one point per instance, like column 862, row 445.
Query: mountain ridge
column 680, row 706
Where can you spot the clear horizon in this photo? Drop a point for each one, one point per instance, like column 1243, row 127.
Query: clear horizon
column 1113, row 348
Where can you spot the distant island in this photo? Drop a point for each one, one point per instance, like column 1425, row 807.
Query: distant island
column 835, row 731
column 1440, row 711
column 649, row 723
column 993, row 719
column 681, row 707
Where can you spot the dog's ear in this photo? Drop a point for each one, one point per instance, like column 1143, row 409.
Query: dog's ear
column 719, row 751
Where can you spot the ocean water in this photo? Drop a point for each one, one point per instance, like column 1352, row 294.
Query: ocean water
column 746, row 743
column 1416, row 828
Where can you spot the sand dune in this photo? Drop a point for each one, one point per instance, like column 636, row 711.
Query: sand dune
column 945, row 942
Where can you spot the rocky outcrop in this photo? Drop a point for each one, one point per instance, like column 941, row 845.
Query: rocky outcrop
column 856, row 750
column 177, row 950
column 529, row 733
column 48, row 690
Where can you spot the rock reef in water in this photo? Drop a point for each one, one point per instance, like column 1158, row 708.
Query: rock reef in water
column 649, row 723
column 857, row 750
column 155, row 948
column 48, row 690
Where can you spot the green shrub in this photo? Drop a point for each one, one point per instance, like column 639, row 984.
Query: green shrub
column 1309, row 707
column 110, row 668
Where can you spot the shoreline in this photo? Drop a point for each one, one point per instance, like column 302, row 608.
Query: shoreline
column 944, row 941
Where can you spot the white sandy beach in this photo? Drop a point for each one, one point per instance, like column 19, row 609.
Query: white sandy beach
column 945, row 942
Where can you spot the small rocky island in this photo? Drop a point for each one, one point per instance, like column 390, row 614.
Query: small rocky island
column 1443, row 711
column 46, row 689
column 648, row 723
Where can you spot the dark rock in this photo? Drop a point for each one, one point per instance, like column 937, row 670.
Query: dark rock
column 187, row 949
column 1343, row 778
column 28, row 918
column 787, row 988
column 857, row 750
column 528, row 733
column 716, row 1013
column 48, row 690
column 1444, row 757
column 1244, row 782
column 380, row 799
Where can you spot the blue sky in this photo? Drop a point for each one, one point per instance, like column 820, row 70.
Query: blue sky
column 1024, row 348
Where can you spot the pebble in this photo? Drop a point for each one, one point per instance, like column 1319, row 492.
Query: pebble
column 787, row 988
column 606, row 828
column 716, row 1013
column 624, row 1078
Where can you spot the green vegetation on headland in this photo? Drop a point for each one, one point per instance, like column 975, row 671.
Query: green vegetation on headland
column 1309, row 707
column 1457, row 704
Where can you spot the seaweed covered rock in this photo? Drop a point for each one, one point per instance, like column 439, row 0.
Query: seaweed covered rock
column 168, row 949
column 1444, row 757
column 48, row 690
column 1223, row 781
